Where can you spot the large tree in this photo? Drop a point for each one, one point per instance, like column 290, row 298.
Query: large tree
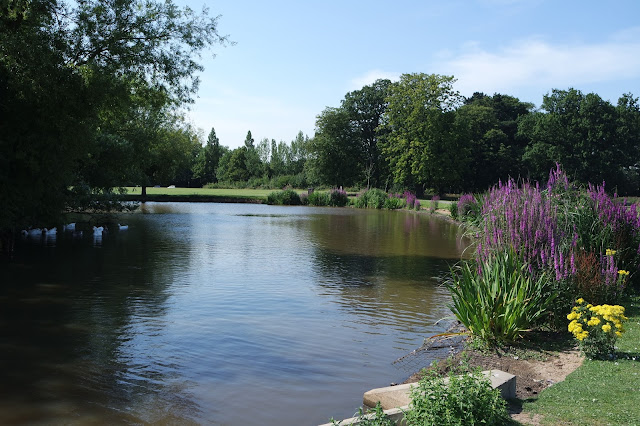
column 365, row 108
column 208, row 159
column 495, row 147
column 582, row 133
column 111, row 61
column 422, row 142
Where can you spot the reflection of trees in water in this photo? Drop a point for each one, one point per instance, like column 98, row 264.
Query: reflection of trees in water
column 389, row 233
column 64, row 312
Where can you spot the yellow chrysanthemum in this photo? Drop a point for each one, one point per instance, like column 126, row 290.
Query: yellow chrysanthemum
column 572, row 316
column 623, row 272
column 580, row 301
column 606, row 328
column 618, row 333
column 610, row 252
column 593, row 321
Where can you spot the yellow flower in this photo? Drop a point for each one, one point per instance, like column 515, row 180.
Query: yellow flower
column 593, row 321
column 580, row 301
column 623, row 272
column 572, row 316
column 606, row 328
column 610, row 252
column 618, row 333
column 582, row 336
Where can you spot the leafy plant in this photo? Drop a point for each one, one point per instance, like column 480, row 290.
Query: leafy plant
column 498, row 299
column 394, row 202
column 467, row 399
column 338, row 197
column 286, row 197
column 434, row 204
column 376, row 417
column 596, row 327
column 371, row 199
column 453, row 210
column 318, row 198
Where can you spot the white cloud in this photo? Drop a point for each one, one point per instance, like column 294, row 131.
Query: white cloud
column 535, row 64
column 370, row 77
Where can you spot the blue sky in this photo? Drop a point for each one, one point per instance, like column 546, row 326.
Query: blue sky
column 292, row 59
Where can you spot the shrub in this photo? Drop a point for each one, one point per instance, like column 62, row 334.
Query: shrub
column 318, row 198
column 467, row 399
column 372, row 199
column 411, row 200
column 434, row 204
column 394, row 202
column 286, row 197
column 338, row 198
column 596, row 327
column 453, row 210
column 498, row 299
column 468, row 208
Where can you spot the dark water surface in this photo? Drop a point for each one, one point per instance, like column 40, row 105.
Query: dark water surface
column 234, row 314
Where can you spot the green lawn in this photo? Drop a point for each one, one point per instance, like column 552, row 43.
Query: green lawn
column 204, row 192
column 599, row 392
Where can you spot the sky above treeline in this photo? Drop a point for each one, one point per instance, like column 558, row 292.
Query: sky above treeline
column 292, row 59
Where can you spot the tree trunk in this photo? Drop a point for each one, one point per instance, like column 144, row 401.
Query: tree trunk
column 143, row 195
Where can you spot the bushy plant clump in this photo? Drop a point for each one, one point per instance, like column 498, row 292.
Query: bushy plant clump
column 498, row 298
column 467, row 399
column 563, row 231
column 433, row 206
column 596, row 327
column 394, row 202
column 287, row 197
column 411, row 200
column 338, row 197
column 468, row 208
column 371, row 199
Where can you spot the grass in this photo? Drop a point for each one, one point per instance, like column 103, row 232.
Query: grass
column 599, row 392
column 205, row 192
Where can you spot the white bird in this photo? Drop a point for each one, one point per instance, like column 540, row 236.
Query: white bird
column 123, row 227
column 98, row 230
column 70, row 227
column 35, row 232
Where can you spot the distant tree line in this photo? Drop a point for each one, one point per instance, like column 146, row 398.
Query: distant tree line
column 420, row 134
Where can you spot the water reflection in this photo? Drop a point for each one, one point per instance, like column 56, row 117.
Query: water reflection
column 203, row 306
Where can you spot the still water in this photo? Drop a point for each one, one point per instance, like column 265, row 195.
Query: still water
column 219, row 314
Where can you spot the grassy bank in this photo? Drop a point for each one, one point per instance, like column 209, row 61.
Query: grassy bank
column 200, row 194
column 599, row 392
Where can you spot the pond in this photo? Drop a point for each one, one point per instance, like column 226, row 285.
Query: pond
column 219, row 314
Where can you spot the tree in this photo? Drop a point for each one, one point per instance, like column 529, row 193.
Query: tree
column 422, row 142
column 113, row 62
column 491, row 126
column 578, row 131
column 333, row 155
column 366, row 108
column 208, row 159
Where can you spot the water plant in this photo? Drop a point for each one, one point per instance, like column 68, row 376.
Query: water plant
column 433, row 206
column 497, row 298
column 338, row 197
column 285, row 197
column 372, row 199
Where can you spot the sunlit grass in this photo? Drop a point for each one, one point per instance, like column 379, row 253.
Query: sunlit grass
column 599, row 392
column 203, row 192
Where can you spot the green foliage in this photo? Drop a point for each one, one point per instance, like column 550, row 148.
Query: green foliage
column 422, row 141
column 338, row 198
column 319, row 198
column 467, row 399
column 498, row 299
column 596, row 328
column 371, row 199
column 394, row 203
column 605, row 391
column 288, row 197
column 377, row 417
column 453, row 210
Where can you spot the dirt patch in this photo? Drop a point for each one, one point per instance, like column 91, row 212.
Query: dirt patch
column 535, row 368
